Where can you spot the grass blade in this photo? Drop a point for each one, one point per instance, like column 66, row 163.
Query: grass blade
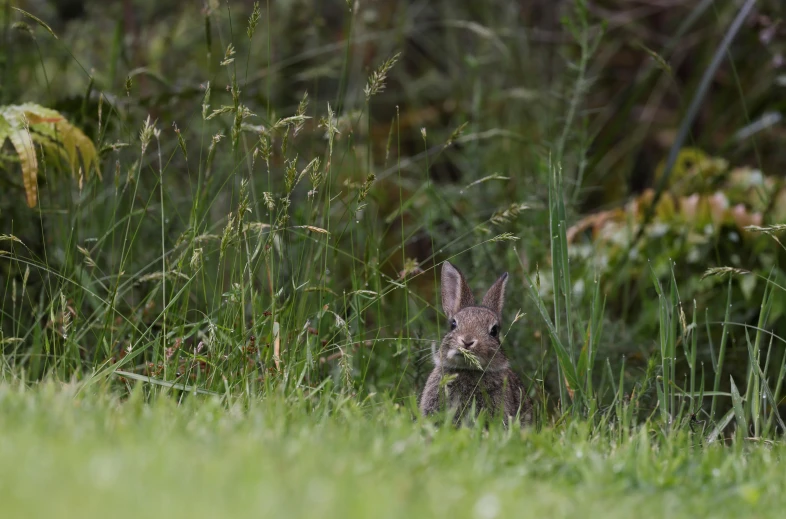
column 720, row 426
column 164, row 383
column 721, row 352
column 739, row 410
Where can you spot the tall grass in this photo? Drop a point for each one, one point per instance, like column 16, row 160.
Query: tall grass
column 262, row 248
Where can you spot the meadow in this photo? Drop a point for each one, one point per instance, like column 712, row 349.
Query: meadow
column 67, row 452
column 222, row 227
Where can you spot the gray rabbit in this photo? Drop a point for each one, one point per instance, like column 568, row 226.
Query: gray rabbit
column 471, row 356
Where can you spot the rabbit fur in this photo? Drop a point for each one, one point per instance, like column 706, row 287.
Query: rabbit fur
column 480, row 375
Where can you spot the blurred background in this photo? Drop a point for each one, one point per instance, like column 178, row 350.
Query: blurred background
column 485, row 103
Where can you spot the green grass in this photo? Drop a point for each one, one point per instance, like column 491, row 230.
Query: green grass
column 64, row 454
column 280, row 258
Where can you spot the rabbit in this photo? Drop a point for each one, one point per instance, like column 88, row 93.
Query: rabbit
column 472, row 354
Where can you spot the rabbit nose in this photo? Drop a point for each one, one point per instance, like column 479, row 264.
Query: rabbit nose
column 468, row 343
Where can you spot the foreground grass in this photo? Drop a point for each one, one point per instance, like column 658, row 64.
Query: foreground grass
column 64, row 452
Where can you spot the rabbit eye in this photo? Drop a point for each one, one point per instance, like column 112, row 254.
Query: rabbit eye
column 494, row 331
column 453, row 324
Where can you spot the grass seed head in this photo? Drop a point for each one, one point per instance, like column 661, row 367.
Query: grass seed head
column 471, row 358
column 206, row 102
column 228, row 59
column 196, row 259
column 508, row 214
column 226, row 237
column 270, row 202
column 301, row 114
column 722, row 271
column 376, row 83
column 291, row 177
column 330, row 124
column 253, row 20
column 146, row 133
column 769, row 229
column 66, row 315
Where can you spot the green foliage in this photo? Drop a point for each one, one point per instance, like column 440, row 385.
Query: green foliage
column 281, row 201
column 245, row 308
column 711, row 217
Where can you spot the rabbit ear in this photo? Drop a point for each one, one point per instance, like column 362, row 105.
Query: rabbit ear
column 455, row 291
column 495, row 297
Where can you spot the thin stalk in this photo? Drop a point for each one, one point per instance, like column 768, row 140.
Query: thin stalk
column 721, row 352
column 163, row 242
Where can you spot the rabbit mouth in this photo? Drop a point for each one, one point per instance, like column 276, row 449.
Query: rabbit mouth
column 459, row 358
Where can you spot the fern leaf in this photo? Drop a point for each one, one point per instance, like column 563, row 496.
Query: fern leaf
column 20, row 138
column 76, row 144
column 29, row 123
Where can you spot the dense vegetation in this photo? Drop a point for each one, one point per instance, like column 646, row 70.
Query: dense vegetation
column 242, row 207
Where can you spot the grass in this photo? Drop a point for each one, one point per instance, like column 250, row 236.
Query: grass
column 237, row 318
column 66, row 452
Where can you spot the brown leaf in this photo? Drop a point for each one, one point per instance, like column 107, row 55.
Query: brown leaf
column 23, row 144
